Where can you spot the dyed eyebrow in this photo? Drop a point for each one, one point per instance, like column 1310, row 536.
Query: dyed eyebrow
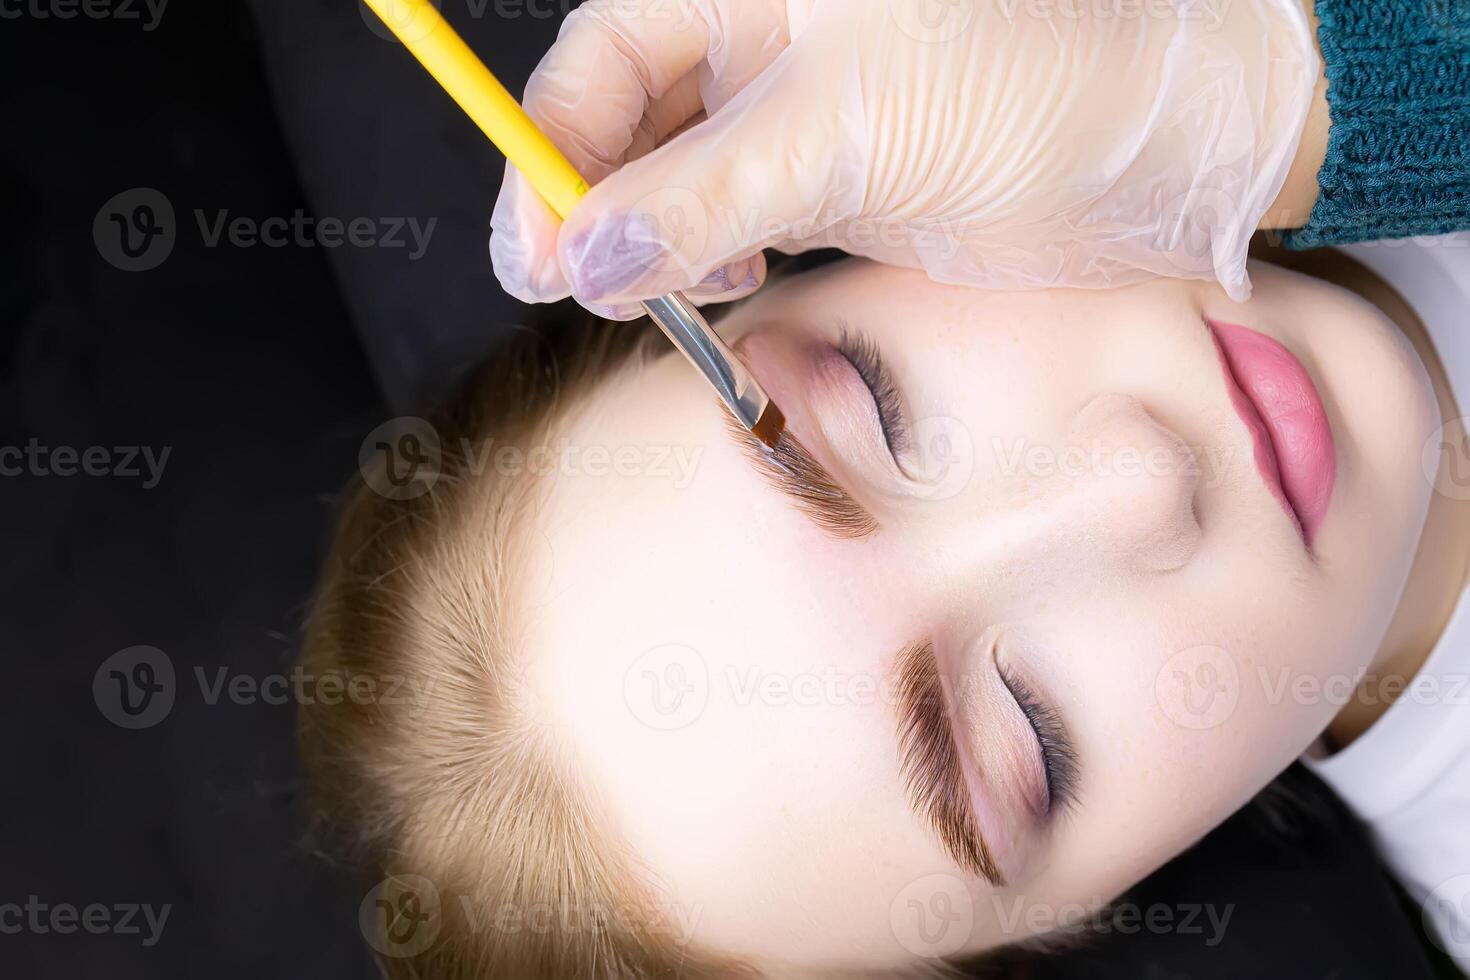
column 930, row 763
column 929, row 759
column 791, row 469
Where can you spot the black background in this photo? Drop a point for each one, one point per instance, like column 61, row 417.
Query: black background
column 260, row 370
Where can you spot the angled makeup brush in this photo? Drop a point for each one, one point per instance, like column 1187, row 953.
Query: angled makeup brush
column 421, row 28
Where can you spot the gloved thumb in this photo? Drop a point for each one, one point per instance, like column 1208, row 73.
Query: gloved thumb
column 765, row 169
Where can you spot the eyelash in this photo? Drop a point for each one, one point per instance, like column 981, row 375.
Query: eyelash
column 862, row 353
column 1057, row 756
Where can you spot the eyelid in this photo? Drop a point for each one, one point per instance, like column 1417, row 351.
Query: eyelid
column 895, row 465
column 862, row 352
column 1058, row 753
column 929, row 758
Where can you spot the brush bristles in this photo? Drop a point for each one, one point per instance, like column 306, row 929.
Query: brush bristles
column 769, row 427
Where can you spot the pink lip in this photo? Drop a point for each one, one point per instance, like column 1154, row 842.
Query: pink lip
column 1275, row 397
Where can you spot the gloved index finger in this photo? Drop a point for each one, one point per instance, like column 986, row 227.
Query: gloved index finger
column 589, row 95
column 622, row 75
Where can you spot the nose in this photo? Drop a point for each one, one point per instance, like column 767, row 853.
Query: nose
column 1135, row 496
column 1119, row 497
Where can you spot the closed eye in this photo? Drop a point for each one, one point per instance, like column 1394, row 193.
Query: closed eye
column 1058, row 757
column 930, row 761
column 863, row 354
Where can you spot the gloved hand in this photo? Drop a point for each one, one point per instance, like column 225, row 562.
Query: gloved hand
column 1004, row 143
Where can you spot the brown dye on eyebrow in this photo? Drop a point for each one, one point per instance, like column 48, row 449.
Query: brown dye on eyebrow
column 930, row 762
column 795, row 472
column 770, row 427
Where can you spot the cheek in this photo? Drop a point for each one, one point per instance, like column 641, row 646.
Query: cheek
column 1182, row 711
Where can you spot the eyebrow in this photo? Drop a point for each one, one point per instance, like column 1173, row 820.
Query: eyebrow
column 792, row 470
column 930, row 762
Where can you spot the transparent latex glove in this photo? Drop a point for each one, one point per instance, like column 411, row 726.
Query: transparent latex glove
column 997, row 143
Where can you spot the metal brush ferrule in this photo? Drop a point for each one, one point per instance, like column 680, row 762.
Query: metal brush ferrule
column 682, row 323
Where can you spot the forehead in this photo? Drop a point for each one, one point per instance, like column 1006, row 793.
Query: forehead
column 684, row 633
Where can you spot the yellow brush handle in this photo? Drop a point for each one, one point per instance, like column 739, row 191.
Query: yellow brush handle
column 418, row 24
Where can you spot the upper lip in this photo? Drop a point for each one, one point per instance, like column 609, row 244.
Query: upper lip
column 1274, row 396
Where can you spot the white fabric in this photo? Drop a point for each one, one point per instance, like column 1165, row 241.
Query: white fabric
column 1408, row 776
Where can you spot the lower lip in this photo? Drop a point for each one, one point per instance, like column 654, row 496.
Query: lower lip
column 1275, row 398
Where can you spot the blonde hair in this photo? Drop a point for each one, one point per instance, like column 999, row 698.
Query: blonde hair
column 449, row 793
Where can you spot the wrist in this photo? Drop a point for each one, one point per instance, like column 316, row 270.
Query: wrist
column 1298, row 195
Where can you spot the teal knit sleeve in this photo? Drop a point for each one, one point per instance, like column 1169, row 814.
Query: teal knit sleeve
column 1398, row 154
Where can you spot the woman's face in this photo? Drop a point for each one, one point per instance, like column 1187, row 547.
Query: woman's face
column 937, row 686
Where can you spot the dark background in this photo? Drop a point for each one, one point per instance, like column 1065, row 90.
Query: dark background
column 259, row 370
